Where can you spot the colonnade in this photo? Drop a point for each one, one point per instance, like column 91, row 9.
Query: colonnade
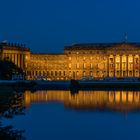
column 123, row 66
column 17, row 58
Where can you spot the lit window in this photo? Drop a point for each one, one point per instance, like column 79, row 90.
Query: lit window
column 136, row 60
column 26, row 57
column 77, row 73
column 118, row 59
column 97, row 58
column 77, row 65
column 70, row 73
column 84, row 65
column 90, row 73
column 84, row 73
column 130, row 73
column 124, row 65
column 123, row 59
column 117, row 65
column 69, row 58
column 70, row 65
column 104, row 58
column 91, row 65
column 130, row 66
column 130, row 59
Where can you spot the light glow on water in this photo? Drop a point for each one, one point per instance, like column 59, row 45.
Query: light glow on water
column 83, row 115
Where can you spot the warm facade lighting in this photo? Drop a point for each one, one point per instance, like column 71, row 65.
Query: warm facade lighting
column 80, row 60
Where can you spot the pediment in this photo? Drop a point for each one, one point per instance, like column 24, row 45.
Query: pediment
column 124, row 46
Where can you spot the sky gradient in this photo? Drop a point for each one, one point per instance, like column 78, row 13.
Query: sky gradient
column 49, row 25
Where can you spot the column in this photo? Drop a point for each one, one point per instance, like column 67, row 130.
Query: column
column 14, row 58
column 18, row 60
column 133, row 66
column 114, row 57
column 108, row 66
column 22, row 61
column 121, row 66
column 127, row 65
column 139, row 65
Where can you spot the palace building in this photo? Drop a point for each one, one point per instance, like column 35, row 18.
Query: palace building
column 97, row 60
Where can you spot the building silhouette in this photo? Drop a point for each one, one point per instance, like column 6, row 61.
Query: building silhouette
column 97, row 60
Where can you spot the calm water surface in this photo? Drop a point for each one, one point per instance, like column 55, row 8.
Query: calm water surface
column 97, row 115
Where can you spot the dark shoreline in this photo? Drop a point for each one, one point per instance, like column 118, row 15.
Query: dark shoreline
column 73, row 85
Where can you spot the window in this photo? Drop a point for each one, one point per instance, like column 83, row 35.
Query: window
column 136, row 73
column 124, row 65
column 69, row 58
column 130, row 59
column 117, row 65
column 55, row 73
column 111, row 65
column 77, row 73
column 130, row 65
column 97, row 66
column 47, row 73
column 39, row 73
column 117, row 59
column 124, row 59
column 91, row 73
column 84, row 73
column 36, row 73
column 118, row 73
column 136, row 60
column 77, row 65
column 69, row 73
column 33, row 73
column 69, row 65
column 123, row 73
column 111, row 60
column 130, row 73
column 51, row 73
column 59, row 73
column 44, row 73
column 84, row 65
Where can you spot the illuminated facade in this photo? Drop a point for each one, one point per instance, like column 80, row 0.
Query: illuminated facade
column 16, row 53
column 78, row 61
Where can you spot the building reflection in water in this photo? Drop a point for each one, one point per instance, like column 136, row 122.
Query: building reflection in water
column 122, row 101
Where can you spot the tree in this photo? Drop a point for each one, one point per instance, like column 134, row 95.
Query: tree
column 11, row 104
column 7, row 68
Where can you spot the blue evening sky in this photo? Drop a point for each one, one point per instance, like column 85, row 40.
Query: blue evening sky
column 49, row 25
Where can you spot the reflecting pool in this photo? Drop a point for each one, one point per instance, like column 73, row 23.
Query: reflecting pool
column 64, row 115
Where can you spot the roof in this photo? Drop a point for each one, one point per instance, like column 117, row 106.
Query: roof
column 32, row 53
column 11, row 46
column 102, row 46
